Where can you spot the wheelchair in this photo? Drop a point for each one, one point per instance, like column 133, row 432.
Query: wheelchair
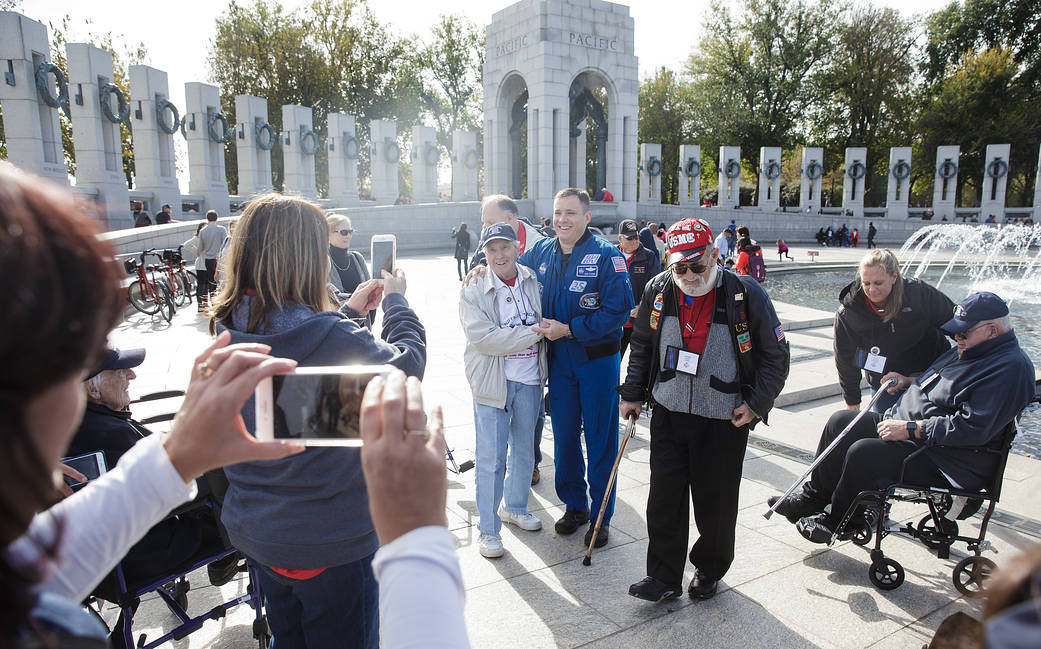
column 938, row 530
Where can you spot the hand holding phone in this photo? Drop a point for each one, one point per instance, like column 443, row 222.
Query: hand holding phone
column 383, row 253
column 394, row 283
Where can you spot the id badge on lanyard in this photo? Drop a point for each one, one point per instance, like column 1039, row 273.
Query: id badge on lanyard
column 874, row 361
column 681, row 360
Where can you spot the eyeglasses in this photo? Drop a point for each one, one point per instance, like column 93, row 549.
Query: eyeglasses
column 346, row 233
column 681, row 268
column 965, row 334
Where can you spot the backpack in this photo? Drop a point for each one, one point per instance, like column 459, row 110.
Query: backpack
column 756, row 266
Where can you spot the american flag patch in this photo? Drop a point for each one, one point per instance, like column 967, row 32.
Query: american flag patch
column 619, row 264
column 780, row 333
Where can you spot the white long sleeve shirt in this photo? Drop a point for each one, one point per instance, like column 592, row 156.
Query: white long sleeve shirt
column 430, row 616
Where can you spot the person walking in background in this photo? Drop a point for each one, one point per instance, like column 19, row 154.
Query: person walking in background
column 640, row 262
column 871, row 232
column 782, row 251
column 854, row 237
column 462, row 248
column 211, row 240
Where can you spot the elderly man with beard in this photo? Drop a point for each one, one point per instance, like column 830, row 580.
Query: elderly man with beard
column 709, row 355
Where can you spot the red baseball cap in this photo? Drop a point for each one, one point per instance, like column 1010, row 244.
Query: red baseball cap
column 687, row 240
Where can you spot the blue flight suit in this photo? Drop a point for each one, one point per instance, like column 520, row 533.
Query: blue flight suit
column 589, row 291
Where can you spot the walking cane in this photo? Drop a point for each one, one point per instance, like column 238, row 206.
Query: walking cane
column 630, row 431
column 834, row 443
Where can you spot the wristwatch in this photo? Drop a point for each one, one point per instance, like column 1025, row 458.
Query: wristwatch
column 569, row 334
column 912, row 429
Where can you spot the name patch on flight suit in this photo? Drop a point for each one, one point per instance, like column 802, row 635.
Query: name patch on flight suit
column 591, row 258
column 577, row 286
column 589, row 301
column 586, row 271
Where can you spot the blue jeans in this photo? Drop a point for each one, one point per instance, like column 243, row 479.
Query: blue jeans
column 337, row 608
column 497, row 429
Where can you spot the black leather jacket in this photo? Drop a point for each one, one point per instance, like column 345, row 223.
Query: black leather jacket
column 762, row 370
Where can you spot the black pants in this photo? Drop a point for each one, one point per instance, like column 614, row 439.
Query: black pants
column 207, row 282
column 627, row 333
column 871, row 243
column 863, row 461
column 460, row 267
column 703, row 457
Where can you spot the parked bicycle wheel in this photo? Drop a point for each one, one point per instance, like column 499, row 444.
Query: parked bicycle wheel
column 189, row 281
column 142, row 298
column 177, row 287
column 166, row 299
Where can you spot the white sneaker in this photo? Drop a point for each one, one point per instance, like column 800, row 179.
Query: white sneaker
column 524, row 521
column 489, row 546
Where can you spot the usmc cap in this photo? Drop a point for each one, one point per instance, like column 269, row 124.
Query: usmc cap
column 687, row 240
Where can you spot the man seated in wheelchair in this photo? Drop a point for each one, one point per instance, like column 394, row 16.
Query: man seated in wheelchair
column 107, row 426
column 966, row 398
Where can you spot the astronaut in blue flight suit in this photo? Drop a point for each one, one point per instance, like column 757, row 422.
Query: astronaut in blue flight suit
column 586, row 299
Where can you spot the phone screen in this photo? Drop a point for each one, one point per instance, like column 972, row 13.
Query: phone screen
column 382, row 258
column 92, row 465
column 322, row 407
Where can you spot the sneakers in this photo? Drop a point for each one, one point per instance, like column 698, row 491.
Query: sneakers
column 571, row 521
column 815, row 530
column 601, row 536
column 796, row 506
column 223, row 570
column 701, row 587
column 535, row 476
column 525, row 521
column 652, row 590
column 489, row 546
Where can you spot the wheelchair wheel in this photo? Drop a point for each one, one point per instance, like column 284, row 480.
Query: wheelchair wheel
column 971, row 574
column 886, row 575
column 860, row 532
column 935, row 539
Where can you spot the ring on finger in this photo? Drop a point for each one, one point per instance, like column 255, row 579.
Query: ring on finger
column 424, row 433
column 205, row 370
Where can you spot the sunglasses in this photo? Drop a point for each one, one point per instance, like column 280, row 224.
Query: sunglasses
column 346, row 233
column 965, row 334
column 681, row 268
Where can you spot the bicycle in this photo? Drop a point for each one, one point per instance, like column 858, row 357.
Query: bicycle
column 182, row 281
column 148, row 294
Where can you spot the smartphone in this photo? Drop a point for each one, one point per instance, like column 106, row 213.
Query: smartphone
column 92, row 465
column 319, row 406
column 383, row 254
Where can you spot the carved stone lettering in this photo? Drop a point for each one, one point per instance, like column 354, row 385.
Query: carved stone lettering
column 511, row 45
column 593, row 42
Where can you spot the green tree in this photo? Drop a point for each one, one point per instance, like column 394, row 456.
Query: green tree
column 452, row 65
column 665, row 117
column 755, row 74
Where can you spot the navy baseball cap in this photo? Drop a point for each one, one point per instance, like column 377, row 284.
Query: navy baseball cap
column 975, row 309
column 629, row 229
column 118, row 359
column 500, row 231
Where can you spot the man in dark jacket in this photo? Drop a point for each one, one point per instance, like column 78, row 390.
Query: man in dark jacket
column 709, row 354
column 964, row 399
column 642, row 264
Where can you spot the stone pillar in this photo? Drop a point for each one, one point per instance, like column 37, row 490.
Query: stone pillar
column 1037, row 190
column 384, row 160
column 464, row 166
column 299, row 144
column 729, row 176
column 31, row 126
column 344, row 149
column 899, row 186
column 651, row 166
column 945, row 184
column 155, row 119
column 853, row 177
column 426, row 155
column 99, row 150
column 995, row 181
column 206, row 134
column 770, row 178
column 810, row 174
column 254, row 139
column 690, row 174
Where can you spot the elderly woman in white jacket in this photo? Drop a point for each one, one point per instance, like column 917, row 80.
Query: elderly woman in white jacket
column 506, row 367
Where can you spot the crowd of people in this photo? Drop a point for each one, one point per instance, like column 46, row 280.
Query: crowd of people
column 340, row 537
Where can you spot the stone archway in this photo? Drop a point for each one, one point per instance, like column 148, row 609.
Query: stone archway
column 513, row 121
column 589, row 97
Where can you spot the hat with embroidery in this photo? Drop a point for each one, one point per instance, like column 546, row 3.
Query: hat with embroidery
column 975, row 309
column 629, row 229
column 498, row 232
column 687, row 240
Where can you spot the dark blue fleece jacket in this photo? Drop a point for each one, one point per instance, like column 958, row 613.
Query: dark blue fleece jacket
column 311, row 510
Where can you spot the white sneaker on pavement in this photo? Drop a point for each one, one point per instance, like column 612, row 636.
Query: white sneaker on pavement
column 524, row 521
column 489, row 546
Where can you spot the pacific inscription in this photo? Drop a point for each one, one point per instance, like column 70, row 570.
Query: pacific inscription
column 593, row 42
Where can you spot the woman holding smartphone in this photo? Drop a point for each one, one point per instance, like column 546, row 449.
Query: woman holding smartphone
column 305, row 520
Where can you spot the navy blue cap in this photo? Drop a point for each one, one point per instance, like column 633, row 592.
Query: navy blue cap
column 500, row 231
column 629, row 229
column 118, row 359
column 975, row 309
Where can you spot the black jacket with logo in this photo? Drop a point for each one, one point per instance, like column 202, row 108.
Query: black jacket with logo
column 762, row 370
column 642, row 268
column 910, row 341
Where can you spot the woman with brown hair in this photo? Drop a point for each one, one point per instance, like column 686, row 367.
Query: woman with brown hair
column 305, row 521
column 57, row 317
column 886, row 323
